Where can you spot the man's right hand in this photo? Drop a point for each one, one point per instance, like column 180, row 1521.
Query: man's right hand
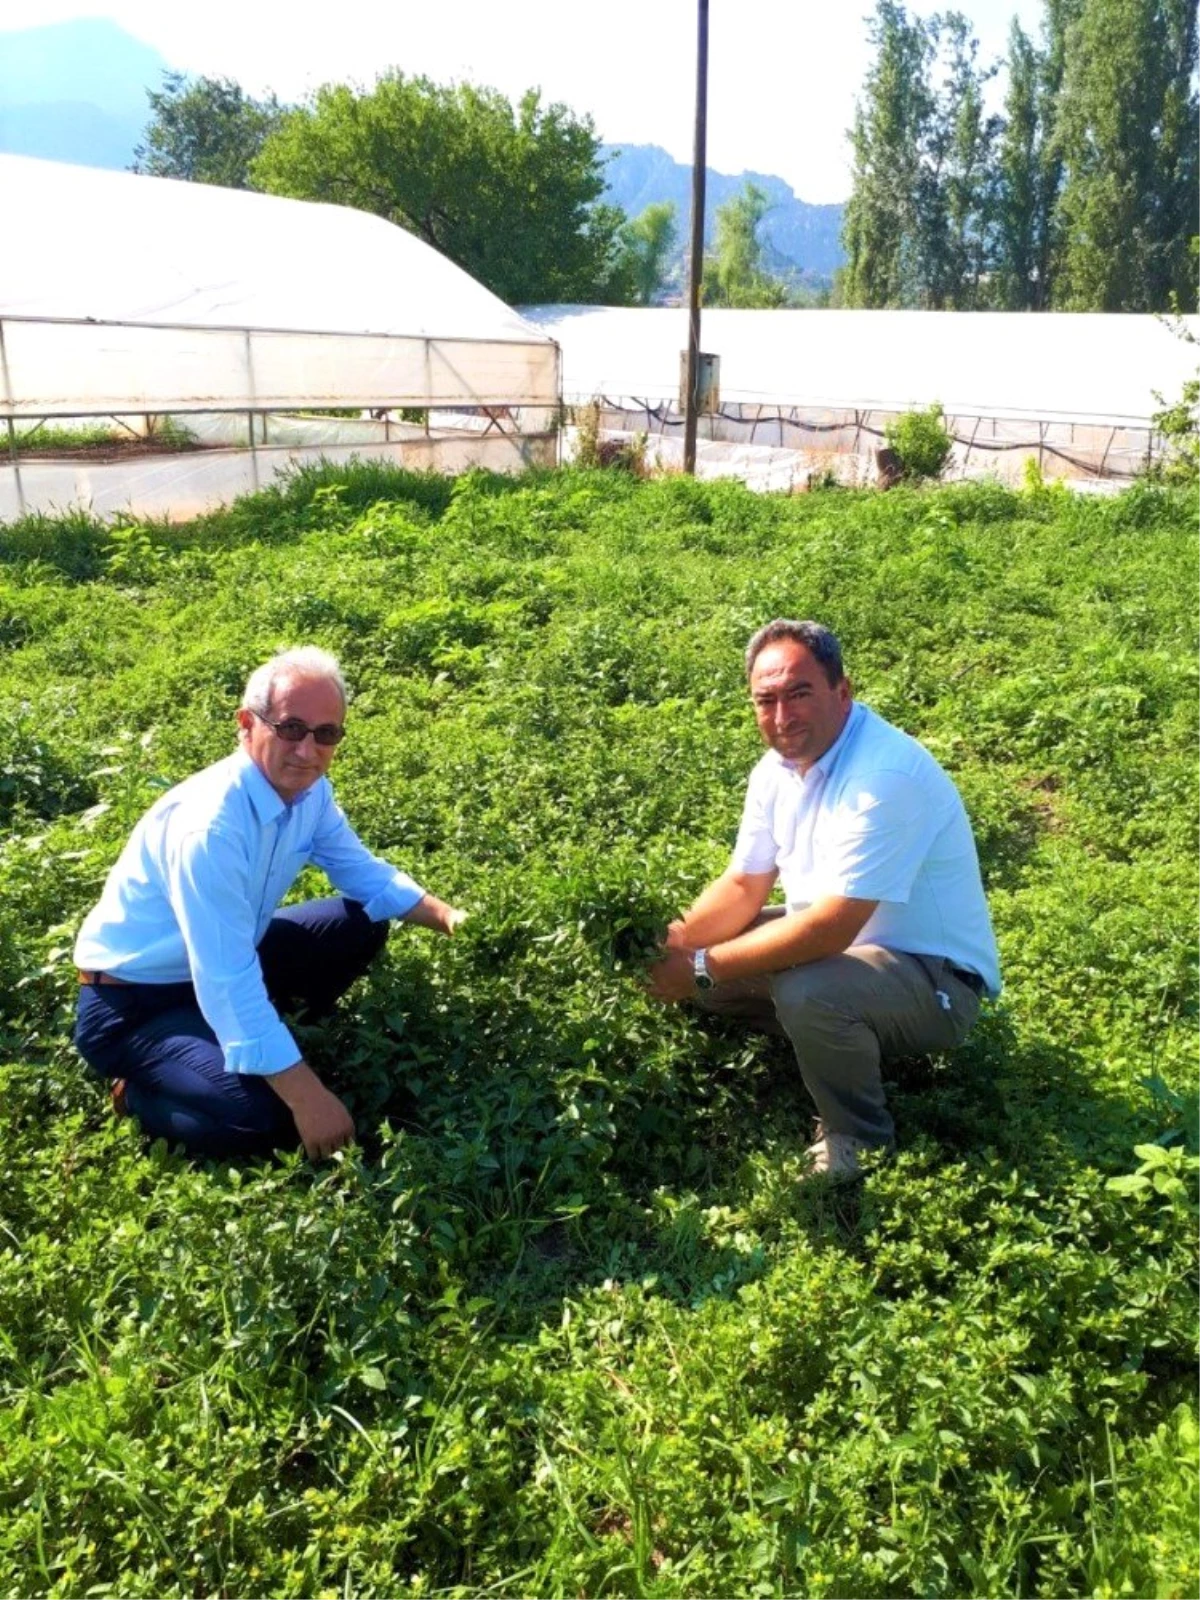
column 322, row 1121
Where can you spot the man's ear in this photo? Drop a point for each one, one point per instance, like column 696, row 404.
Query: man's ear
column 245, row 721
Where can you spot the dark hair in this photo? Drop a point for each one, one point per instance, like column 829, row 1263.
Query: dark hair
column 814, row 636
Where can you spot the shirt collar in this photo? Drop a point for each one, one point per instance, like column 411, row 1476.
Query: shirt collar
column 268, row 805
column 820, row 768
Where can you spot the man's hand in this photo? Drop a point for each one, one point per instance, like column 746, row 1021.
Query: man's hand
column 671, row 977
column 825, row 928
column 322, row 1121
column 430, row 912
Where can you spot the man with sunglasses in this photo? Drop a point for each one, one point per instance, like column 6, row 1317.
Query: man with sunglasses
column 186, row 961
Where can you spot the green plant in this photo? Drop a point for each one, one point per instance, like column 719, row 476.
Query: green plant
column 921, row 442
column 564, row 1322
column 625, row 455
column 48, row 437
column 1179, row 427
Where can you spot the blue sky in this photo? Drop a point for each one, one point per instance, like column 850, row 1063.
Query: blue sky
column 784, row 74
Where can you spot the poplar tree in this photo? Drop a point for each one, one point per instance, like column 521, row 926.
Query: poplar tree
column 919, row 221
column 1019, row 158
column 881, row 227
column 735, row 274
column 959, row 191
column 1126, row 135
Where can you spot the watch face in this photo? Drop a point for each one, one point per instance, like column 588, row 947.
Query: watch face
column 700, row 970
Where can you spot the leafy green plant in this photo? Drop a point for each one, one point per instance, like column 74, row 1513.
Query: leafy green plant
column 50, row 437
column 564, row 1321
column 921, row 443
column 1179, row 427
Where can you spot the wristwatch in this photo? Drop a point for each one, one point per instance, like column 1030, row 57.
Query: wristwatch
column 704, row 978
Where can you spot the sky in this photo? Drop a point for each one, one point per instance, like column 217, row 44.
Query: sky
column 784, row 75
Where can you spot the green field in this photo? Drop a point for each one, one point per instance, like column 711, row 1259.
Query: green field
column 565, row 1323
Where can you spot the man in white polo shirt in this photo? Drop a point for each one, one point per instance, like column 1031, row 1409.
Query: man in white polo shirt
column 884, row 947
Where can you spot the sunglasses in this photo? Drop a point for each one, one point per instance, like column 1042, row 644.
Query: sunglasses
column 292, row 731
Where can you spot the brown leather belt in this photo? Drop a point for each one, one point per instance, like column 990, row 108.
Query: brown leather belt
column 91, row 979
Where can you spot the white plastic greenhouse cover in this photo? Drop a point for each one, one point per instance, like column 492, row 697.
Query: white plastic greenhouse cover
column 1085, row 367
column 122, row 293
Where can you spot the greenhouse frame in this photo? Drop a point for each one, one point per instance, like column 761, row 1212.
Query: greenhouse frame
column 263, row 331
column 804, row 394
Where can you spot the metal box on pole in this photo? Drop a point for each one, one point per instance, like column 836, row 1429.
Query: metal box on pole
column 708, row 382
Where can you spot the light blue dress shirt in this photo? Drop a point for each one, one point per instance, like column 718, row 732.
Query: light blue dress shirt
column 196, row 886
column 876, row 818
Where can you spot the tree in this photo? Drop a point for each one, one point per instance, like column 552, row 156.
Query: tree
column 647, row 243
column 881, row 230
column 204, row 129
column 919, row 224
column 735, row 274
column 510, row 194
column 1126, row 136
column 1020, row 213
column 958, row 199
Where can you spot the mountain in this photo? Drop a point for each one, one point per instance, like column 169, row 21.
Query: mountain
column 76, row 91
column 804, row 241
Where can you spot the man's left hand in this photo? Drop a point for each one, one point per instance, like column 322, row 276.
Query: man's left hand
column 671, row 977
column 430, row 912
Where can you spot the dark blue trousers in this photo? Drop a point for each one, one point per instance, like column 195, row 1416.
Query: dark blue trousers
column 155, row 1037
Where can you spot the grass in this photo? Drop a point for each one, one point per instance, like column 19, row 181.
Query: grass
column 564, row 1323
column 48, row 438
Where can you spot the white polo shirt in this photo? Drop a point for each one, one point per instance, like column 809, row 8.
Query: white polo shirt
column 875, row 818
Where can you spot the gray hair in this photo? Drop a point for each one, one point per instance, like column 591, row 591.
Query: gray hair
column 817, row 639
column 307, row 661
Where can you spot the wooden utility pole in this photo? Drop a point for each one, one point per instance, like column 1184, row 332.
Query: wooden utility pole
column 696, row 263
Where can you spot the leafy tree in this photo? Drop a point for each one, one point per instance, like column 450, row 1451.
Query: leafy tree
column 1126, row 135
column 510, row 194
column 207, row 130
column 647, row 243
column 1021, row 216
column 959, row 194
column 735, row 273
column 881, row 227
column 919, row 221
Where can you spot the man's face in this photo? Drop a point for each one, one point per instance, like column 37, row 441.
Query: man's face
column 290, row 769
column 799, row 713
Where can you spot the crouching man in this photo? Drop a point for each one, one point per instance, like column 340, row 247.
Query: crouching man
column 884, row 947
column 186, row 961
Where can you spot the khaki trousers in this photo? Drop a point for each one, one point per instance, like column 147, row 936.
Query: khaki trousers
column 845, row 1016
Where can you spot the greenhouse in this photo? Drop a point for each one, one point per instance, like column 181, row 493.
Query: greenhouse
column 205, row 327
column 802, row 392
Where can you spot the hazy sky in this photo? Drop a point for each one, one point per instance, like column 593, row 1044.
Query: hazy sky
column 783, row 74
